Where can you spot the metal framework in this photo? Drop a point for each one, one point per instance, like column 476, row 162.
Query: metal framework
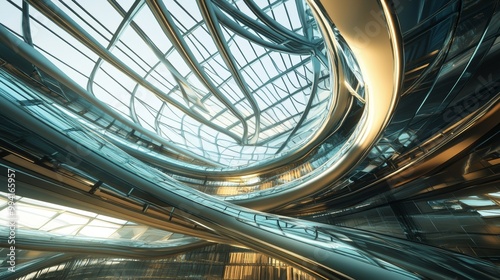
column 197, row 117
column 210, row 105
column 210, row 129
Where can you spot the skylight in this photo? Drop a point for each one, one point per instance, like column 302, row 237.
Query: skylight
column 229, row 82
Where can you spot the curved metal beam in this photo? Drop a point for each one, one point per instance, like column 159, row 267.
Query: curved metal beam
column 264, row 30
column 212, row 23
column 38, row 186
column 283, row 43
column 270, row 80
column 325, row 251
column 314, row 90
column 65, row 22
column 46, row 241
column 166, row 22
column 40, row 61
column 278, row 28
column 127, row 19
column 380, row 61
column 374, row 121
column 26, row 26
column 224, row 131
column 157, row 119
column 306, row 28
column 165, row 62
column 32, row 266
column 236, row 28
column 201, row 171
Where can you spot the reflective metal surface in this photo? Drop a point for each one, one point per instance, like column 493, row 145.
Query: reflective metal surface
column 393, row 127
column 347, row 75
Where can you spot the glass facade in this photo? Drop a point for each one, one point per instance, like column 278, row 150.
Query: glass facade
column 249, row 139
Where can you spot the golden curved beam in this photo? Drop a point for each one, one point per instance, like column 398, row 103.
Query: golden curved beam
column 371, row 31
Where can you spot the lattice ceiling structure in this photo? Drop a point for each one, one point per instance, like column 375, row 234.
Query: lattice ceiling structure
column 229, row 84
column 158, row 127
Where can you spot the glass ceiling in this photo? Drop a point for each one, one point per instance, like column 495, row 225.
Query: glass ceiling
column 233, row 82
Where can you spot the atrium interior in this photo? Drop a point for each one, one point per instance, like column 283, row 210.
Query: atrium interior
column 249, row 139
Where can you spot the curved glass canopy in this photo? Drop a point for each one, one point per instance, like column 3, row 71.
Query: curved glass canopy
column 280, row 106
column 220, row 92
column 228, row 83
